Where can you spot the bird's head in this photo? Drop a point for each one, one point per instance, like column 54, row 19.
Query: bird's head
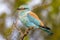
column 23, row 8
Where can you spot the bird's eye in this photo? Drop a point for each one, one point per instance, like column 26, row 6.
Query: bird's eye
column 21, row 8
column 25, row 8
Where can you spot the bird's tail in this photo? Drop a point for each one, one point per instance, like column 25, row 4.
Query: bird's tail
column 46, row 29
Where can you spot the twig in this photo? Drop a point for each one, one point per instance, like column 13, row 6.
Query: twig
column 27, row 31
column 15, row 26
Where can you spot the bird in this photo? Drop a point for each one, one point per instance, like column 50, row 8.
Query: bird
column 30, row 19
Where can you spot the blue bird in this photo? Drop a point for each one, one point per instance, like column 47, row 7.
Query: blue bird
column 30, row 19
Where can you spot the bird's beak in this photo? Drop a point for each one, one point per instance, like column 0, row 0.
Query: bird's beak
column 19, row 8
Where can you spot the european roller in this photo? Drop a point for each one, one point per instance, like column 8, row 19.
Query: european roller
column 30, row 19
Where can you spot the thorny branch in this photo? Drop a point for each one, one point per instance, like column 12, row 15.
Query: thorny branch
column 22, row 35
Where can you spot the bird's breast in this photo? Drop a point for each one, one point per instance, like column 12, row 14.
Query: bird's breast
column 23, row 19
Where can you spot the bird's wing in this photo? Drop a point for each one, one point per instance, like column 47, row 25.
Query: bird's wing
column 34, row 18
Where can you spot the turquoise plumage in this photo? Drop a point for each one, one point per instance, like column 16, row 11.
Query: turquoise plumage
column 29, row 20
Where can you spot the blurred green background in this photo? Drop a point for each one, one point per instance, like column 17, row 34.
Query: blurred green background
column 48, row 12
